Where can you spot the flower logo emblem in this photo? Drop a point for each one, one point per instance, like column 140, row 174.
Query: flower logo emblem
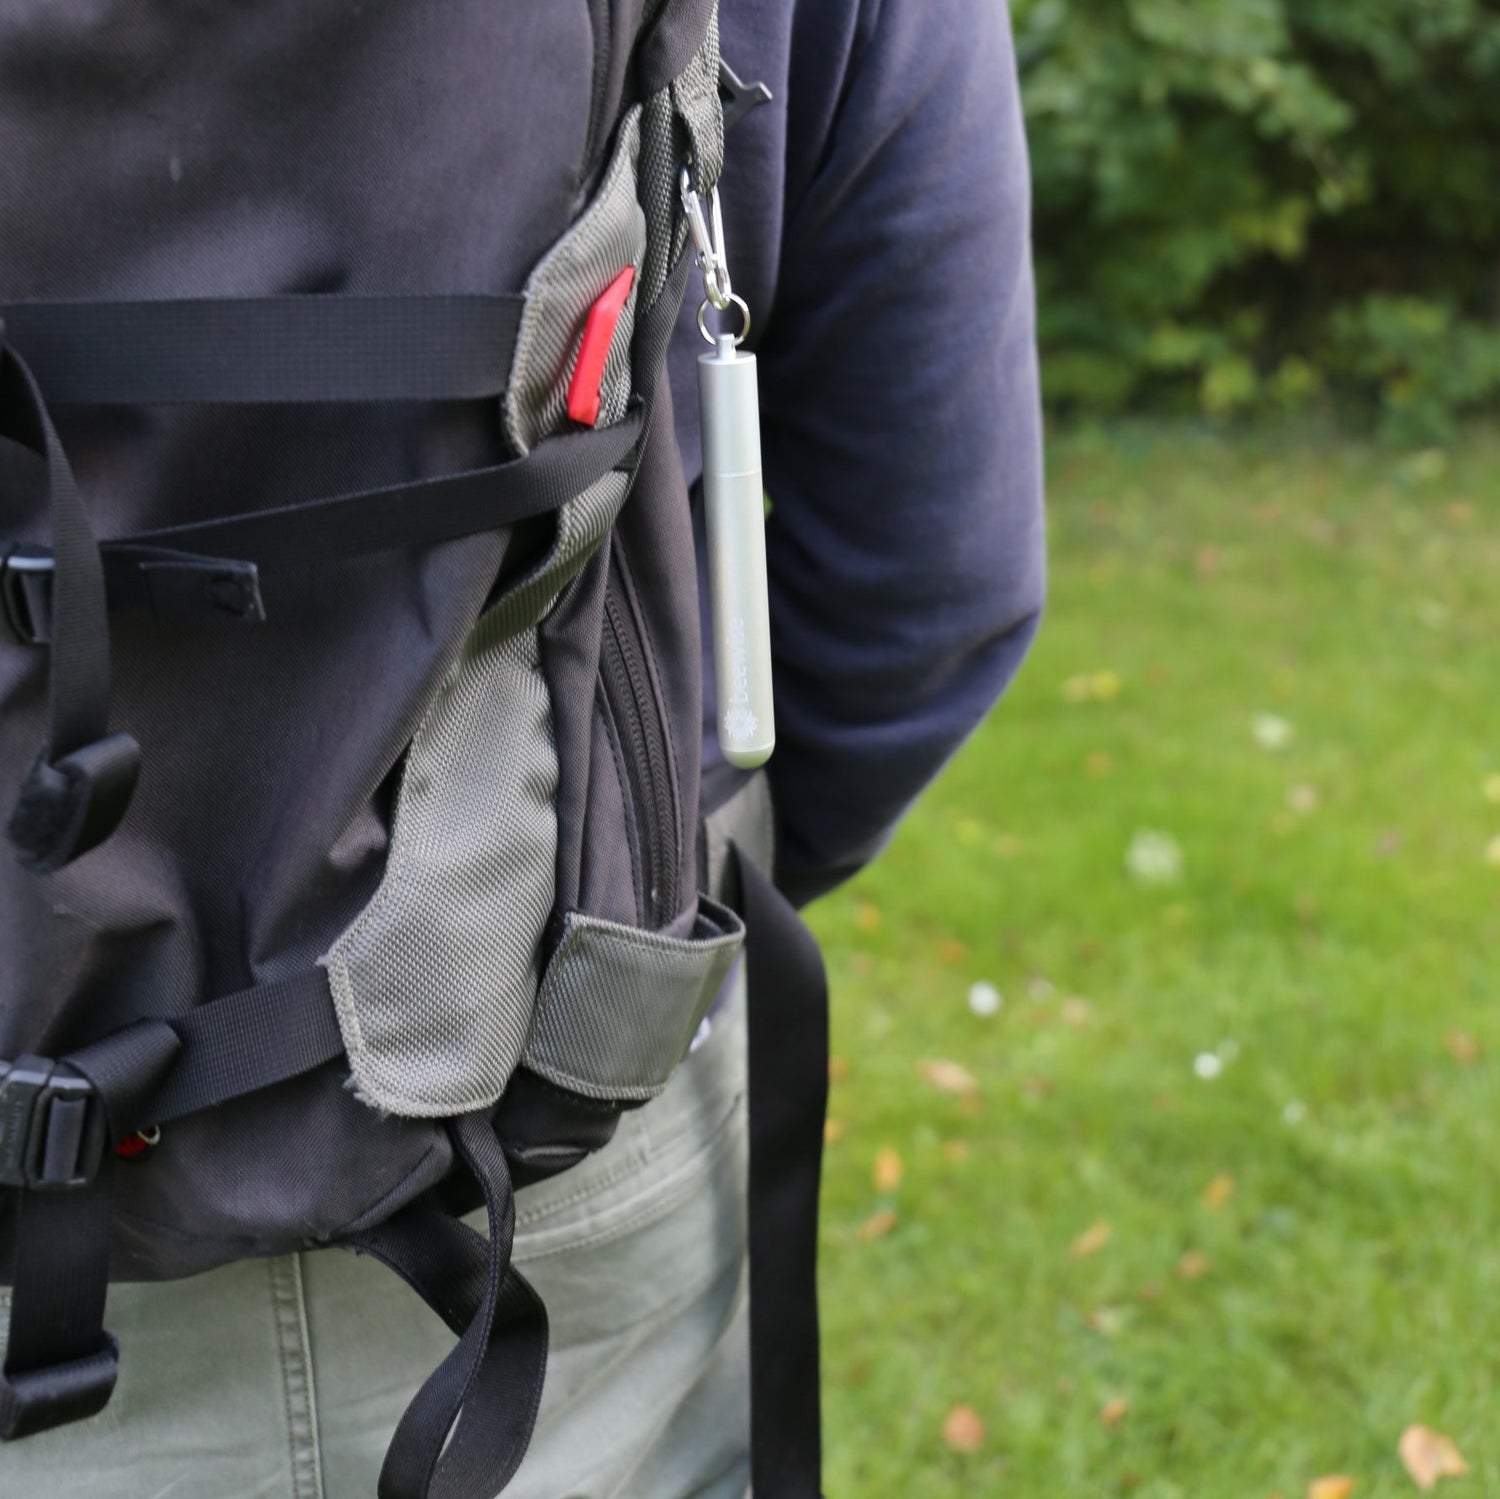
column 740, row 723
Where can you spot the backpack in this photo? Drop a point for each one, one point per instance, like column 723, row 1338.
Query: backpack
column 350, row 678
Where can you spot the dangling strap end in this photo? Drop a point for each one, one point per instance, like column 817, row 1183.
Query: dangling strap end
column 71, row 805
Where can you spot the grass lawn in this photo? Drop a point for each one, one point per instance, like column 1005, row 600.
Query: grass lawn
column 1235, row 819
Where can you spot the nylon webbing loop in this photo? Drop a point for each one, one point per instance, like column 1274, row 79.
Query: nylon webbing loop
column 290, row 349
column 488, row 1389
column 787, row 1008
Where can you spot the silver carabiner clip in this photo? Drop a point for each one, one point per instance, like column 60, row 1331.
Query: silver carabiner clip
column 707, row 233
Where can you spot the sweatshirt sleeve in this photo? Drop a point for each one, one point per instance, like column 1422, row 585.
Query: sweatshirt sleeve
column 901, row 428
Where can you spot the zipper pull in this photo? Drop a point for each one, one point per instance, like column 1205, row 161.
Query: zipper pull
column 734, row 505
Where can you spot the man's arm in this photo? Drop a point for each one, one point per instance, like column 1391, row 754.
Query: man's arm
column 901, row 427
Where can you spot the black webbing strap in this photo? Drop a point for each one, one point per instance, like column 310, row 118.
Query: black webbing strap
column 58, row 1124
column 80, row 785
column 247, row 1041
column 421, row 513
column 291, row 349
column 212, row 569
column 787, row 1007
column 60, row 1364
column 59, row 1118
column 185, row 571
column 490, row 1385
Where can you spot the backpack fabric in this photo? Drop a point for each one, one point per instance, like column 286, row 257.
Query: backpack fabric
column 350, row 675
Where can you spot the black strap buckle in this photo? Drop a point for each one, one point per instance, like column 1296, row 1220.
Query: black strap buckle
column 52, row 1132
column 26, row 595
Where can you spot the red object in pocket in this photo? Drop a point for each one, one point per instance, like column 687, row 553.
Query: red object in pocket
column 593, row 349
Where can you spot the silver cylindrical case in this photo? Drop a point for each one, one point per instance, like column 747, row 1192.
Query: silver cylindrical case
column 734, row 509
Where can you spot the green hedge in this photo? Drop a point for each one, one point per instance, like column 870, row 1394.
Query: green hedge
column 1253, row 204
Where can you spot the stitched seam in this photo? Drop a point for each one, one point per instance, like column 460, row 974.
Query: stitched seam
column 295, row 1370
column 304, row 1343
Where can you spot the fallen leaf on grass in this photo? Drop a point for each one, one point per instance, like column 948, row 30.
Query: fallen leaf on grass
column 888, row 1170
column 866, row 916
column 1218, row 1191
column 1192, row 1266
column 1076, row 1013
column 1461, row 1047
column 1428, row 1456
column 1091, row 1240
column 834, row 1130
column 1336, row 1486
column 1302, row 798
column 1092, row 687
column 838, row 1069
column 949, row 1077
column 1114, row 1411
column 877, row 1226
column 963, row 1431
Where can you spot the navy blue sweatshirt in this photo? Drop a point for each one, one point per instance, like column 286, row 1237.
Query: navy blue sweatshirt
column 876, row 217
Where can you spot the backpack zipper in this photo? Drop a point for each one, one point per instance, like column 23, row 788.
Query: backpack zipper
column 632, row 703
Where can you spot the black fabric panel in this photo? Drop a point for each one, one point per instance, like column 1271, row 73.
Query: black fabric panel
column 616, row 24
column 218, row 150
column 267, row 349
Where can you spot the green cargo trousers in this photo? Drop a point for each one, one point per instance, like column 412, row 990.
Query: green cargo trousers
column 284, row 1378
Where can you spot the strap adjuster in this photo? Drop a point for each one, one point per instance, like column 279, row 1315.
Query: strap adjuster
column 52, row 1130
column 26, row 595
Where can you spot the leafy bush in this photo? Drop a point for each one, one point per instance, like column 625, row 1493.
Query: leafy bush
column 1254, row 204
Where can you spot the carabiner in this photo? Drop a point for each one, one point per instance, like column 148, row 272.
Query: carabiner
column 707, row 233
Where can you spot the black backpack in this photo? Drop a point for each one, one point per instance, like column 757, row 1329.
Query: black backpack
column 350, row 677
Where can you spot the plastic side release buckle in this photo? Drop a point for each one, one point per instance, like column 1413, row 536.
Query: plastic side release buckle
column 26, row 595
column 593, row 349
column 52, row 1131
